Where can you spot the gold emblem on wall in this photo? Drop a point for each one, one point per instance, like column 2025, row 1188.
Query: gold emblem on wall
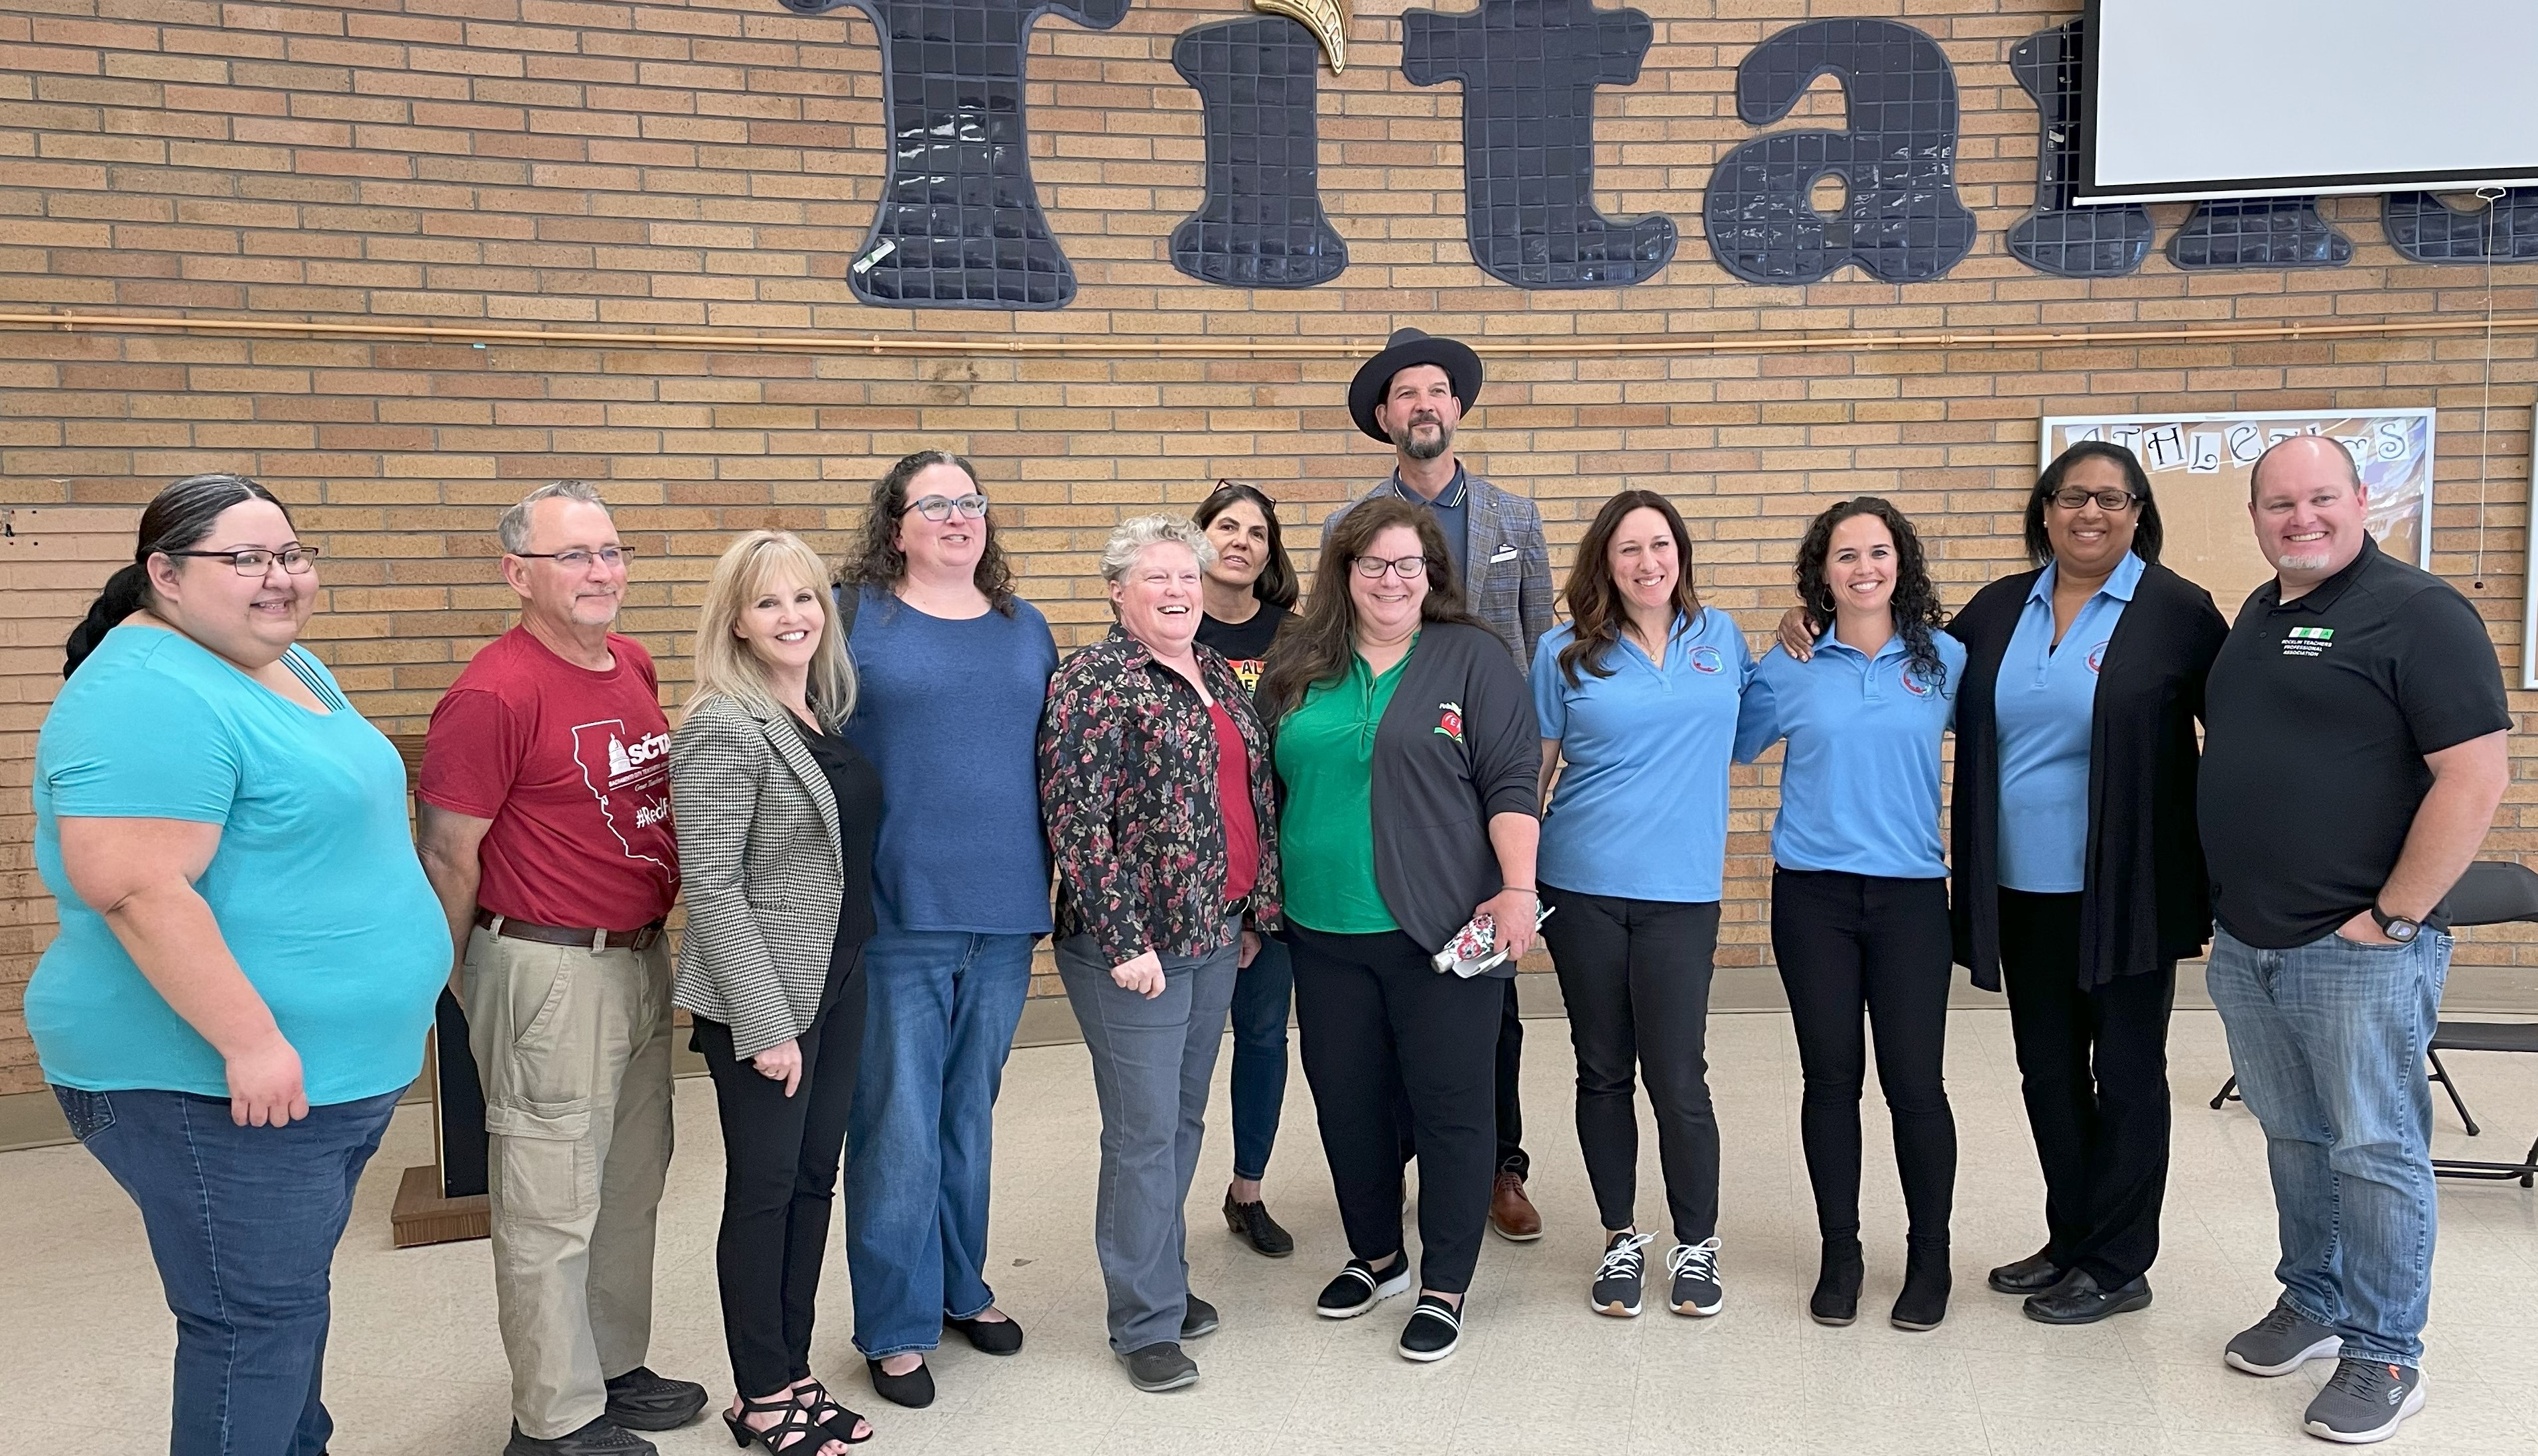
column 1326, row 18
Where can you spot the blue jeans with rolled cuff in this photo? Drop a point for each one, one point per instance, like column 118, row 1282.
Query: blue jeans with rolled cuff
column 242, row 1225
column 2328, row 1040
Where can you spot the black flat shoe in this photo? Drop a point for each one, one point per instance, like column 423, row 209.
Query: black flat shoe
column 990, row 1336
column 2077, row 1300
column 1250, row 1223
column 915, row 1390
column 1835, row 1300
column 2032, row 1275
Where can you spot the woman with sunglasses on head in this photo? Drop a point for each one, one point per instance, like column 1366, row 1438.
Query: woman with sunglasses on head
column 1859, row 888
column 1406, row 746
column 248, row 951
column 1251, row 592
column 953, row 669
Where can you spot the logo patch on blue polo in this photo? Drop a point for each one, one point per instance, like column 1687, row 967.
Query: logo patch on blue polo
column 1707, row 660
column 2098, row 656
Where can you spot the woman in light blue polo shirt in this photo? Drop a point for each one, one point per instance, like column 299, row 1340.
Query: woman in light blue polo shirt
column 1637, row 693
column 248, row 951
column 1859, row 891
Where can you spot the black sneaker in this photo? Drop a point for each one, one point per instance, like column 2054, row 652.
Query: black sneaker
column 1695, row 1267
column 1160, row 1368
column 2281, row 1342
column 1434, row 1329
column 601, row 1437
column 1198, row 1317
column 1358, row 1289
column 1619, row 1279
column 2364, row 1401
column 639, row 1399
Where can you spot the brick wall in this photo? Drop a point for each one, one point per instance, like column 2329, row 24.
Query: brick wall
column 710, row 168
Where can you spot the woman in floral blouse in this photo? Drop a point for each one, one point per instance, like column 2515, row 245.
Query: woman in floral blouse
column 1155, row 783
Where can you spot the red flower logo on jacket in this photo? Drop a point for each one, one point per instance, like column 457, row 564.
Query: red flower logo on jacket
column 1450, row 723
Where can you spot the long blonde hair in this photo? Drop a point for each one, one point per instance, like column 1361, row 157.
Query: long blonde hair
column 730, row 666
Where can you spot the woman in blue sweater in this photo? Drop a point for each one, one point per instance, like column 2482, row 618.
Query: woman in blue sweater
column 954, row 669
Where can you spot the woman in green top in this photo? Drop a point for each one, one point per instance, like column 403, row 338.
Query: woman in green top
column 1406, row 745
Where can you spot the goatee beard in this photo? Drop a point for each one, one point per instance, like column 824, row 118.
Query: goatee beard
column 1409, row 444
column 2303, row 563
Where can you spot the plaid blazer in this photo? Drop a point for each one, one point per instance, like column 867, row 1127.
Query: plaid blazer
column 1508, row 576
column 758, row 850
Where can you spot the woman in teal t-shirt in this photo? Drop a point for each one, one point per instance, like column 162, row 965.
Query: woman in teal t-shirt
column 248, row 952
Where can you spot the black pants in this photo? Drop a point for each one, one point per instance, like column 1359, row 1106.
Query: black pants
column 780, row 1160
column 1381, row 1026
column 1510, row 1108
column 2093, row 1065
column 1635, row 974
column 1852, row 942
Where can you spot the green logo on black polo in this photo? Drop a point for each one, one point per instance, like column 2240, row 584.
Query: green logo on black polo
column 2308, row 642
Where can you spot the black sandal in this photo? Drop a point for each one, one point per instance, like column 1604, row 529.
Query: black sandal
column 838, row 1421
column 786, row 1438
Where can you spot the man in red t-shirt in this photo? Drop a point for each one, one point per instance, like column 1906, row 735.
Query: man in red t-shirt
column 546, row 831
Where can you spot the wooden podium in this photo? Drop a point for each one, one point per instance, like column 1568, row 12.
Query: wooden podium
column 443, row 1201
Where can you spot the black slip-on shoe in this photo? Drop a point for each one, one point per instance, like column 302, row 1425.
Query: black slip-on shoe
column 639, row 1399
column 1198, row 1317
column 1357, row 1289
column 2032, row 1275
column 2078, row 1300
column 990, row 1336
column 915, row 1390
column 1434, row 1329
column 601, row 1437
column 1160, row 1368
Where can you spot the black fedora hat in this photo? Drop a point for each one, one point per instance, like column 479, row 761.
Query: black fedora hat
column 1408, row 347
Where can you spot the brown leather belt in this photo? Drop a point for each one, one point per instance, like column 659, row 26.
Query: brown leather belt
column 558, row 935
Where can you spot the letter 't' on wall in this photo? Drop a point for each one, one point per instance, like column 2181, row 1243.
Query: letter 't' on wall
column 1262, row 224
column 2430, row 231
column 2057, row 237
column 1529, row 69
column 1901, row 221
column 960, row 225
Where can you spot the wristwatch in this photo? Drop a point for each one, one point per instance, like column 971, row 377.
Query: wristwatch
column 2397, row 927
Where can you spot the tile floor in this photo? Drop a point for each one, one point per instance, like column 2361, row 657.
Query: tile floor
column 415, row 1366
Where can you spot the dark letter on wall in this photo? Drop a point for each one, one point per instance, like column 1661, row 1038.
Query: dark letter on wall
column 2258, row 232
column 960, row 225
column 1262, row 225
column 2429, row 230
column 1903, row 223
column 1529, row 70
column 2058, row 237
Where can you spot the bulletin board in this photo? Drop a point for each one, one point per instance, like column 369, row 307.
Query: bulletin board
column 2199, row 466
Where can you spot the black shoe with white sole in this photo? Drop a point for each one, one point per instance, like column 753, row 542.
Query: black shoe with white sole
column 1358, row 1289
column 2363, row 1401
column 1160, row 1368
column 1695, row 1267
column 1434, row 1329
column 1621, row 1277
column 2281, row 1342
column 1198, row 1317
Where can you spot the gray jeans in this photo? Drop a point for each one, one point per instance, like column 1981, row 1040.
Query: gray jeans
column 1152, row 1061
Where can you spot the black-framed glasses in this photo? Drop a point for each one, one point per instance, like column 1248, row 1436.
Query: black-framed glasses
column 579, row 560
column 940, row 507
column 2072, row 498
column 295, row 560
column 1408, row 568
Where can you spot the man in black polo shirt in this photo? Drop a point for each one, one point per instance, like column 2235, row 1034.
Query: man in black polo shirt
column 2354, row 754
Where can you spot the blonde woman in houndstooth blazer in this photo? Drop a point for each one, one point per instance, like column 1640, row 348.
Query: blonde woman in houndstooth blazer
column 777, row 813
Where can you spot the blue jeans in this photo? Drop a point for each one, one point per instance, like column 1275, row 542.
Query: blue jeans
column 2328, row 1040
column 940, row 1010
column 1262, row 993
column 242, row 1223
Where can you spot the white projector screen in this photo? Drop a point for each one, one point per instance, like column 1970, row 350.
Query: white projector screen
column 2194, row 98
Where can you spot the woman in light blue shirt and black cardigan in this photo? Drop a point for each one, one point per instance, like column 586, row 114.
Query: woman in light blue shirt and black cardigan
column 1859, row 891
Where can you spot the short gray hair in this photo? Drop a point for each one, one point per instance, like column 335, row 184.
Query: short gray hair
column 1134, row 535
column 514, row 527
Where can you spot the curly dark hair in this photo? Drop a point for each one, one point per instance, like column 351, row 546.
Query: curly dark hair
column 1318, row 644
column 2147, row 534
column 1595, row 607
column 1917, row 611
column 878, row 562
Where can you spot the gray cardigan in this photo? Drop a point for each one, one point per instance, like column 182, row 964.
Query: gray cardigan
column 757, row 856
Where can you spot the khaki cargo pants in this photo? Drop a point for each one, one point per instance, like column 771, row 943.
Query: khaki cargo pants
column 574, row 1049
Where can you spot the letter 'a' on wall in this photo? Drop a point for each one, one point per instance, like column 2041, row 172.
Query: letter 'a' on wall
column 2258, row 232
column 960, row 225
column 1902, row 222
column 2106, row 241
column 1529, row 70
column 1262, row 224
column 2427, row 229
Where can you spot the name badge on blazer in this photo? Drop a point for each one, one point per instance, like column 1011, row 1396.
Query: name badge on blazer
column 1502, row 554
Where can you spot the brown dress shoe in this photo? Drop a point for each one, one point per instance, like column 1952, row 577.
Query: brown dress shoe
column 1511, row 1212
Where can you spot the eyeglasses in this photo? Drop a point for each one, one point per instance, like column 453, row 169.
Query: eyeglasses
column 295, row 560
column 2110, row 501
column 940, row 507
column 579, row 560
column 1226, row 485
column 1408, row 568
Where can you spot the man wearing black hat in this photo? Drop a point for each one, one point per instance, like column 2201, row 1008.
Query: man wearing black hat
column 1411, row 397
